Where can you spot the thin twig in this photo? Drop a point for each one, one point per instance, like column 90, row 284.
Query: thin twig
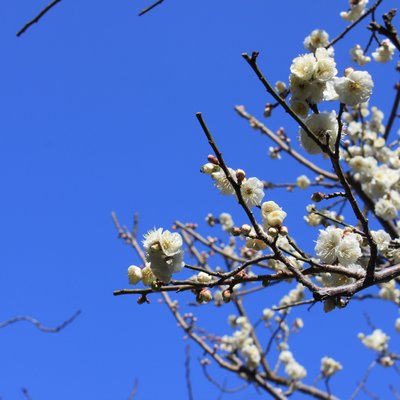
column 393, row 113
column 38, row 323
column 147, row 9
column 26, row 393
column 187, row 374
column 134, row 390
column 37, row 18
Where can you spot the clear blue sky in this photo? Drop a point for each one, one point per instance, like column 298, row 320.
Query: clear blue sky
column 97, row 114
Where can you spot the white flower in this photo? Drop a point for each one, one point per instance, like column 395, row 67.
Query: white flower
column 384, row 52
column 134, row 274
column 357, row 53
column 317, row 38
column 300, row 88
column 252, row 191
column 164, row 253
column 324, row 126
column 210, row 168
column 226, row 221
column 348, row 251
column 286, row 357
column 382, row 239
column 377, row 340
column 304, row 66
column 385, row 209
column 171, row 243
column 147, row 275
column 276, row 218
column 327, row 243
column 355, row 88
column 203, row 277
column 222, row 183
column 329, row 366
column 267, row 314
column 303, row 182
column 295, row 370
column 299, row 106
column 325, row 68
column 267, row 207
column 356, row 10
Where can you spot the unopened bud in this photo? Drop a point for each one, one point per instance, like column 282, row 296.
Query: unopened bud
column 317, row 197
column 272, row 231
column 240, row 175
column 204, row 296
column 245, row 229
column 236, row 231
column 226, row 295
column 209, row 168
column 267, row 110
column 386, row 361
column 284, row 230
column 142, row 299
column 212, row 159
column 348, row 71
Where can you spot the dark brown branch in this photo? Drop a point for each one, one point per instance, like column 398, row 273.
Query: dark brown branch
column 147, row 9
column 38, row 324
column 393, row 112
column 26, row 394
column 37, row 18
column 388, row 30
column 353, row 25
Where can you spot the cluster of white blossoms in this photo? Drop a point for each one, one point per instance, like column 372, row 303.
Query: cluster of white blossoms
column 294, row 296
column 272, row 215
column 242, row 341
column 310, row 79
column 357, row 9
column 377, row 340
column 336, row 245
column 358, row 56
column 251, row 189
column 292, row 368
column 316, row 39
column 384, row 53
column 375, row 165
column 389, row 292
column 329, row 366
column 164, row 253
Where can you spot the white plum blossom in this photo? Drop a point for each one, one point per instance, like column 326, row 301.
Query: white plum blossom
column 317, row 38
column 329, row 366
column 389, row 292
column 252, row 191
column 354, row 88
column 382, row 239
column 276, row 218
column 358, row 56
column 333, row 244
column 292, row 368
column 203, row 277
column 384, row 52
column 377, row 340
column 397, row 325
column 222, row 182
column 303, row 182
column 303, row 67
column 385, row 209
column 226, row 221
column 324, row 126
column 134, row 274
column 147, row 275
column 299, row 106
column 357, row 9
column 164, row 253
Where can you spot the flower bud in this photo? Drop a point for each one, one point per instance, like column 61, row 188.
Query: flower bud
column 317, row 197
column 348, row 71
column 276, row 218
column 226, row 295
column 235, row 231
column 240, row 175
column 386, row 361
column 245, row 229
column 284, row 230
column 134, row 274
column 213, row 159
column 209, row 168
column 204, row 296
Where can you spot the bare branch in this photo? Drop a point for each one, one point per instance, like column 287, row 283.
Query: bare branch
column 147, row 9
column 134, row 390
column 38, row 323
column 37, row 18
column 187, row 374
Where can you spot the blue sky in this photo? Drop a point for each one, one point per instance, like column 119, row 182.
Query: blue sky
column 97, row 114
